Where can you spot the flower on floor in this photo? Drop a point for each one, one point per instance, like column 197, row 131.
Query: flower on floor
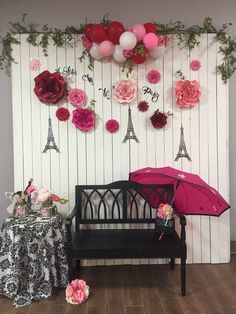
column 112, row 125
column 84, row 119
column 77, row 292
column 187, row 93
column 50, row 88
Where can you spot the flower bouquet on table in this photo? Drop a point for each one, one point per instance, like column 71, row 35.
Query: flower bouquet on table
column 77, row 292
column 165, row 222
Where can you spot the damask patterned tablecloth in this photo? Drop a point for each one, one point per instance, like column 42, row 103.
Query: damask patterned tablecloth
column 32, row 258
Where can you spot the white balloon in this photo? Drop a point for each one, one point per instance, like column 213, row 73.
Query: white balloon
column 94, row 51
column 128, row 40
column 157, row 52
column 118, row 54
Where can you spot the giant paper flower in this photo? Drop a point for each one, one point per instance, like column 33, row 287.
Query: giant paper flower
column 125, row 91
column 187, row 93
column 112, row 125
column 49, row 87
column 83, row 119
column 77, row 291
column 77, row 97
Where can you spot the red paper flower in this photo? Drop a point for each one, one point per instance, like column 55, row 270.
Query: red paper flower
column 153, row 76
column 143, row 106
column 112, row 125
column 158, row 119
column 187, row 93
column 62, row 114
column 49, row 87
column 83, row 119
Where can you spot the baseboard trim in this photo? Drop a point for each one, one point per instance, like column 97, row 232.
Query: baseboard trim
column 233, row 247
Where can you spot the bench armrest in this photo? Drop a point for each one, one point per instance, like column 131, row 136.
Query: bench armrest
column 69, row 218
column 183, row 223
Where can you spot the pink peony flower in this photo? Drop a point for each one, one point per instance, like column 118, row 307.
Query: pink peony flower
column 83, row 119
column 187, row 93
column 153, row 76
column 77, row 292
column 112, row 126
column 195, row 65
column 62, row 114
column 125, row 91
column 87, row 44
column 34, row 64
column 77, row 97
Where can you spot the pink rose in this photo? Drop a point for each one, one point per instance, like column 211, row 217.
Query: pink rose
column 153, row 76
column 83, row 119
column 125, row 91
column 195, row 65
column 77, row 97
column 77, row 292
column 187, row 93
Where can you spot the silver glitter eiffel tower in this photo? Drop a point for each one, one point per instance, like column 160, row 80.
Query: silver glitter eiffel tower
column 50, row 139
column 130, row 135
column 182, row 153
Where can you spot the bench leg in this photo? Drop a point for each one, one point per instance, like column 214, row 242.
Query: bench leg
column 183, row 276
column 172, row 263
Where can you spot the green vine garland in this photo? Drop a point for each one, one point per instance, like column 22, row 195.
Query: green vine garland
column 187, row 38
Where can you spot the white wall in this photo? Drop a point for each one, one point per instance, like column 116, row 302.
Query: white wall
column 71, row 12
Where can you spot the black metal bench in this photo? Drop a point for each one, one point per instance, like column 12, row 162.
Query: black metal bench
column 122, row 203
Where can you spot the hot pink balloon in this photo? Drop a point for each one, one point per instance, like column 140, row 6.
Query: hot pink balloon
column 150, row 40
column 139, row 31
column 106, row 48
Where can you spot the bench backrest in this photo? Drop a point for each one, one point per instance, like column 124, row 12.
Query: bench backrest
column 120, row 202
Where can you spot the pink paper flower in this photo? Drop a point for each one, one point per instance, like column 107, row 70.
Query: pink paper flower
column 195, row 65
column 125, row 91
column 112, row 125
column 77, row 292
column 187, row 93
column 87, row 44
column 83, row 119
column 153, row 76
column 77, row 97
column 34, row 64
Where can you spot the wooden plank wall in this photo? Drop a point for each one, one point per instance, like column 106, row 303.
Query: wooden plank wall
column 100, row 157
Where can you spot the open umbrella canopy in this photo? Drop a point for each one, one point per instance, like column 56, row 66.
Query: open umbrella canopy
column 193, row 196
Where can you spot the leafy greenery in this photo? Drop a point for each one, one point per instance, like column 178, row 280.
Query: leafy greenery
column 188, row 38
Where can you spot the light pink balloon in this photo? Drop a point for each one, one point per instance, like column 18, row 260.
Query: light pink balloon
column 139, row 31
column 150, row 40
column 106, row 48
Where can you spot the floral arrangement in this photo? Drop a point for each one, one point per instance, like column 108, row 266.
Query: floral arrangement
column 112, row 125
column 125, row 91
column 130, row 45
column 50, row 88
column 164, row 211
column 187, row 93
column 77, row 292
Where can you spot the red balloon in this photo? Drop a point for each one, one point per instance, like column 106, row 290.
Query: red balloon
column 87, row 30
column 97, row 33
column 150, row 28
column 114, row 30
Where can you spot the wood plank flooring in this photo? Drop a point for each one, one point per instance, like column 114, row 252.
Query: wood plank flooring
column 149, row 289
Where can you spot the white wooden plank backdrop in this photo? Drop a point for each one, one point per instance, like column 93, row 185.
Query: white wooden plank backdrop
column 101, row 157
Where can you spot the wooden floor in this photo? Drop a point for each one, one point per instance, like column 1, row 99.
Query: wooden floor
column 151, row 289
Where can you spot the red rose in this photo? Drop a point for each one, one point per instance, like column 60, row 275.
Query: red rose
column 62, row 114
column 49, row 87
column 158, row 119
column 83, row 119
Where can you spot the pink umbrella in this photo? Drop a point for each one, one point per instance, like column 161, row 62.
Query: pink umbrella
column 193, row 196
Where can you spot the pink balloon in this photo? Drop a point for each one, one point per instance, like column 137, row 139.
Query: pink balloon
column 139, row 31
column 106, row 48
column 150, row 40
